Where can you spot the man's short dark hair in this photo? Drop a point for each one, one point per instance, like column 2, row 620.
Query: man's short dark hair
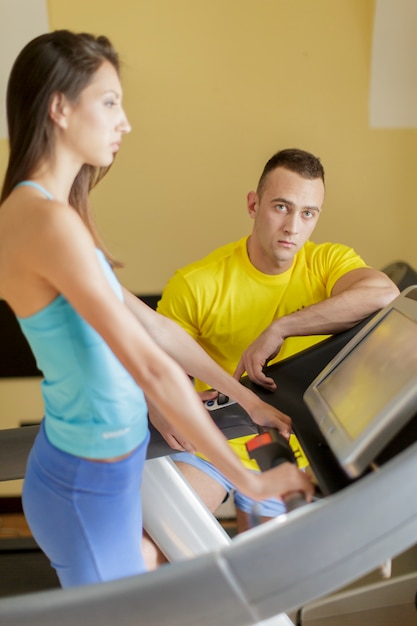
column 299, row 161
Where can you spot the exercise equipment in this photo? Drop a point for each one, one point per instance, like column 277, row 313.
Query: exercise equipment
column 271, row 569
column 401, row 273
column 368, row 392
column 270, row 449
column 385, row 603
column 275, row 568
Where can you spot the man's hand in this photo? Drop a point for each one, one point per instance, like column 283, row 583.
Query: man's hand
column 172, row 436
column 257, row 355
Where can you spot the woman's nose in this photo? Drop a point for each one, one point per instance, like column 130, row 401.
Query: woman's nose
column 124, row 125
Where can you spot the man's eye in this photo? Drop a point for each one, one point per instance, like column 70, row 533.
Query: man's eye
column 281, row 207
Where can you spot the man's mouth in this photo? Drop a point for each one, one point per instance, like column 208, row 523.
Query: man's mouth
column 285, row 243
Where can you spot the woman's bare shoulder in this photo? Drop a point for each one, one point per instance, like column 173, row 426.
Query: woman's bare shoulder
column 38, row 239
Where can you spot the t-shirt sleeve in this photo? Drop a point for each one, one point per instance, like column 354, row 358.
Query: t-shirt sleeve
column 179, row 304
column 336, row 261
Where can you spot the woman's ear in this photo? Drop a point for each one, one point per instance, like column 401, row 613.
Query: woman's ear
column 59, row 109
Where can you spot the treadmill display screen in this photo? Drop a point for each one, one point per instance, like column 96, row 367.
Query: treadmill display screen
column 373, row 374
column 368, row 392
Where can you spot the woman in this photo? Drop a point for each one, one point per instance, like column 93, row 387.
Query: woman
column 100, row 349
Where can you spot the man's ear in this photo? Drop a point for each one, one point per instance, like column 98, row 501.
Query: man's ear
column 59, row 109
column 252, row 204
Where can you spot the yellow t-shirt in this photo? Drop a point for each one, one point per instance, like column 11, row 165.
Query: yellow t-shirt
column 225, row 303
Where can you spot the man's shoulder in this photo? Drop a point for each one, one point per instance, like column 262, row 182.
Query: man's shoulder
column 329, row 259
column 312, row 247
column 195, row 285
column 214, row 259
column 312, row 250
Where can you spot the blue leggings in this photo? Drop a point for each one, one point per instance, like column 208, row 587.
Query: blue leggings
column 85, row 515
column 266, row 508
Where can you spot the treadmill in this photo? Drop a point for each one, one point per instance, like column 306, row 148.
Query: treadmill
column 358, row 524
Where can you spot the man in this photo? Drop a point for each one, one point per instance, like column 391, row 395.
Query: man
column 266, row 297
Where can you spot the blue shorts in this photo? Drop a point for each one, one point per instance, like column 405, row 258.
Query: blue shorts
column 85, row 515
column 266, row 508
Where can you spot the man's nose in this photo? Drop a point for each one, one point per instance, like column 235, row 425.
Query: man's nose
column 291, row 224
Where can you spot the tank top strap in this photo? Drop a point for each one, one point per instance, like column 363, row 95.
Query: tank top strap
column 32, row 183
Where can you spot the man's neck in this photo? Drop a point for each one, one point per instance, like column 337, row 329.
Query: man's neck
column 265, row 264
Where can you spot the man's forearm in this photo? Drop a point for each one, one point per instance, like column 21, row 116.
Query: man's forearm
column 344, row 309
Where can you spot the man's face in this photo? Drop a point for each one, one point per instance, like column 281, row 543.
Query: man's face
column 285, row 215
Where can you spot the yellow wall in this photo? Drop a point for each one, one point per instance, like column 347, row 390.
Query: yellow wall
column 212, row 89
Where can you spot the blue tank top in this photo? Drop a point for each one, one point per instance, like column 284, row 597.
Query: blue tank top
column 93, row 407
